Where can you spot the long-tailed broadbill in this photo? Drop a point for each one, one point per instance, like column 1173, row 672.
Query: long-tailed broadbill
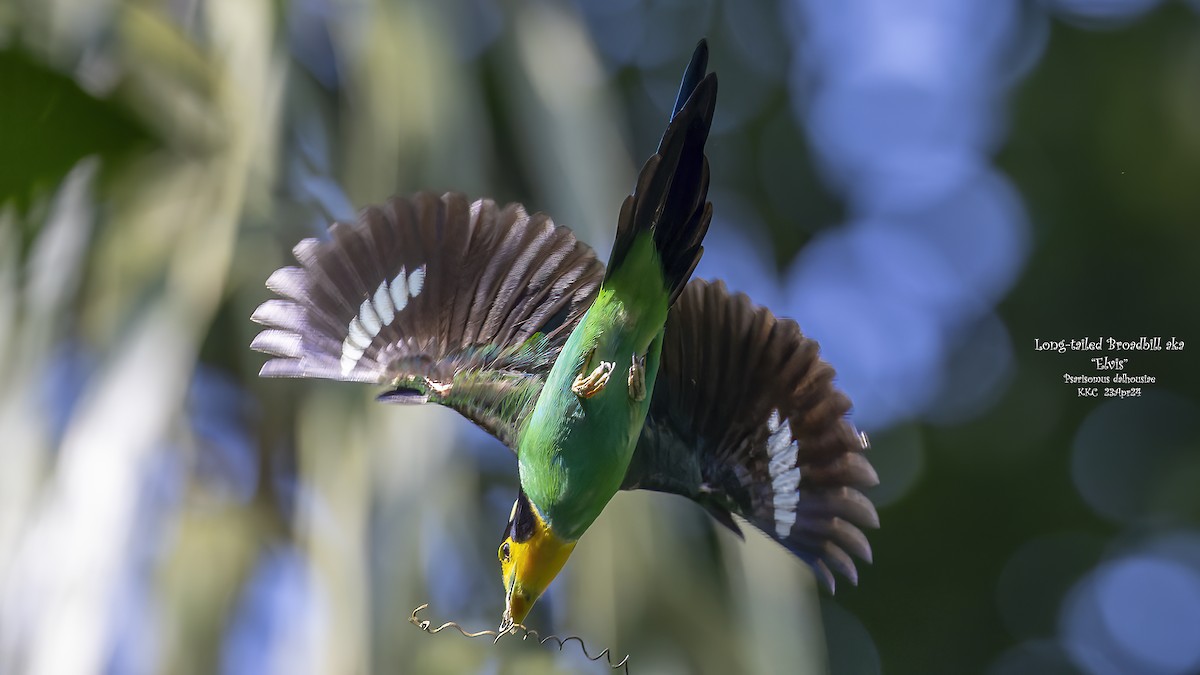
column 630, row 377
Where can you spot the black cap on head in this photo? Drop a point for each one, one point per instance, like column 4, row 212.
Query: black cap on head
column 523, row 522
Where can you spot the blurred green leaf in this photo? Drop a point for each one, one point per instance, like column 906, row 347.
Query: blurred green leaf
column 47, row 124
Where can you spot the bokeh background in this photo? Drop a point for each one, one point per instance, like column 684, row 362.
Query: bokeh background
column 928, row 187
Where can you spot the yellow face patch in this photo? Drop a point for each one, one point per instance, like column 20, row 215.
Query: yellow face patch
column 531, row 556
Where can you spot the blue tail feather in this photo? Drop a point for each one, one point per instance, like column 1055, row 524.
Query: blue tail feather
column 695, row 72
column 670, row 199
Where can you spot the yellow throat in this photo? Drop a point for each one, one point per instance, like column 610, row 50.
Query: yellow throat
column 531, row 555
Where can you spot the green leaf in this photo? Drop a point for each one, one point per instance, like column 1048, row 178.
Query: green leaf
column 48, row 123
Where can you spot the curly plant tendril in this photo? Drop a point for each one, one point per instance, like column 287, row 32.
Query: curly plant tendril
column 525, row 632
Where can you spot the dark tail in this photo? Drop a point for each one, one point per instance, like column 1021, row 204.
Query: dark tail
column 697, row 68
column 670, row 199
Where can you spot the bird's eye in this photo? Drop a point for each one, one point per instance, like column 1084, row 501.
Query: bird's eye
column 504, row 552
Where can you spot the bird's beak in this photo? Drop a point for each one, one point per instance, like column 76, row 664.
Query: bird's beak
column 535, row 564
column 517, row 604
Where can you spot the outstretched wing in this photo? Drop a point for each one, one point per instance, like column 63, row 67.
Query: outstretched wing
column 442, row 300
column 745, row 420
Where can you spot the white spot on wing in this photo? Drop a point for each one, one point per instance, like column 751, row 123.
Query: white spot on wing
column 377, row 311
column 351, row 355
column 369, row 319
column 785, row 511
column 357, row 335
column 785, row 475
column 353, row 352
column 383, row 304
column 416, row 281
column 400, row 291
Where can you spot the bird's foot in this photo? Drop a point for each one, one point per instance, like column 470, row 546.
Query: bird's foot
column 438, row 388
column 637, row 378
column 506, row 625
column 587, row 386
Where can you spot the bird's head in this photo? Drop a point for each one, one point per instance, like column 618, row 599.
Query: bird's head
column 531, row 555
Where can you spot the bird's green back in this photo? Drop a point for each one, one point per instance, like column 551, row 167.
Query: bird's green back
column 573, row 452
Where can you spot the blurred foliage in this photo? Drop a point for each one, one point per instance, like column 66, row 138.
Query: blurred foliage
column 51, row 125
column 1107, row 157
column 164, row 510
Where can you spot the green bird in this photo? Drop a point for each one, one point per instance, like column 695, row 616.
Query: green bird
column 630, row 378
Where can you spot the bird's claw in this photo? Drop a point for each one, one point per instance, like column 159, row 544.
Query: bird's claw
column 587, row 386
column 637, row 378
column 506, row 625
